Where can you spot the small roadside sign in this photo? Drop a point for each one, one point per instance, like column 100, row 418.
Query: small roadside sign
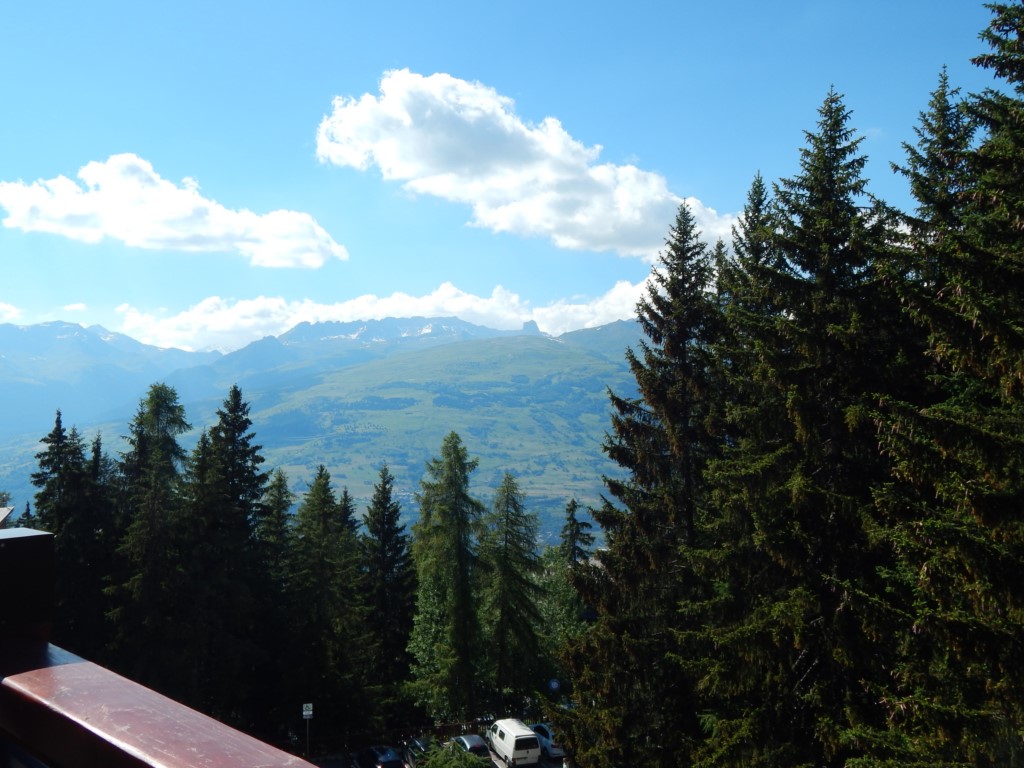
column 307, row 711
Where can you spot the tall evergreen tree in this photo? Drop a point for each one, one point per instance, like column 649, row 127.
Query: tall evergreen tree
column 509, row 594
column 953, row 508
column 347, row 511
column 445, row 636
column 232, row 440
column 145, row 592
column 231, row 576
column 729, row 571
column 563, row 613
column 27, row 518
column 71, row 504
column 576, row 539
column 391, row 594
column 272, row 527
column 204, row 584
column 328, row 616
column 631, row 693
column 791, row 659
column 272, row 531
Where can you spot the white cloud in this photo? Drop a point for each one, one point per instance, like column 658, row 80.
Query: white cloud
column 462, row 141
column 619, row 303
column 217, row 323
column 8, row 313
column 79, row 307
column 124, row 199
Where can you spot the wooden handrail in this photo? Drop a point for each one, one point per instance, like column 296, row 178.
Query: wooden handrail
column 69, row 712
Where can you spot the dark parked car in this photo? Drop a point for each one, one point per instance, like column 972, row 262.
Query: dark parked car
column 473, row 744
column 549, row 746
column 415, row 750
column 379, row 757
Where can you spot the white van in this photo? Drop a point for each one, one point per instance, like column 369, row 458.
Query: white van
column 514, row 743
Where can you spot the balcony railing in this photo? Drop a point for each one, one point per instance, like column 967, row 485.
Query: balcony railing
column 61, row 711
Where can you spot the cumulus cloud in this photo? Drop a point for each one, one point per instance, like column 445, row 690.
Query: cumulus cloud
column 218, row 323
column 463, row 142
column 8, row 313
column 619, row 303
column 124, row 199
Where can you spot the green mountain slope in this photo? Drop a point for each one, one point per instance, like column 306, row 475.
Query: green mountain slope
column 530, row 404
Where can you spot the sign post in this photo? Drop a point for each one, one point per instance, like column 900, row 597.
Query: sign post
column 307, row 715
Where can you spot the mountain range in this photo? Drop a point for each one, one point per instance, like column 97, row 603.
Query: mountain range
column 350, row 396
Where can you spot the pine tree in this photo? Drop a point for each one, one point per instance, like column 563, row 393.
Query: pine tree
column 731, row 575
column 509, row 594
column 328, row 616
column 576, row 539
column 347, row 511
column 391, row 594
column 272, row 531
column 991, row 297
column 204, row 585
column 791, row 622
column 445, row 636
column 563, row 613
column 27, row 518
column 71, row 504
column 145, row 592
column 272, row 526
column 231, row 577
column 957, row 448
column 639, row 701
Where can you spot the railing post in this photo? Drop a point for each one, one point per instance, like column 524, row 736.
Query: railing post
column 57, row 709
column 26, row 585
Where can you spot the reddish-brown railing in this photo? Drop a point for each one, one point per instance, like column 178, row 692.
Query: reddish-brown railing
column 67, row 712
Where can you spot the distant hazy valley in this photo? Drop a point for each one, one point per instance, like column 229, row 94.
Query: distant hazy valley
column 346, row 395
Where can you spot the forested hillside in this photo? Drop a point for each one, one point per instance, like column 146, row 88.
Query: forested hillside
column 351, row 396
column 807, row 554
column 814, row 560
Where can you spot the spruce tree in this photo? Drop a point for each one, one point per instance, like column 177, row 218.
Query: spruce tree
column 272, row 531
column 145, row 593
column 731, row 574
column 222, row 494
column 325, row 593
column 272, row 526
column 952, row 509
column 576, row 540
column 390, row 595
column 791, row 619
column 445, row 636
column 509, row 593
column 635, row 703
column 71, row 504
column 563, row 613
column 204, row 585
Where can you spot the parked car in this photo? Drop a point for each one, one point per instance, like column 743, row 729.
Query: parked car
column 513, row 742
column 379, row 757
column 414, row 750
column 473, row 744
column 549, row 746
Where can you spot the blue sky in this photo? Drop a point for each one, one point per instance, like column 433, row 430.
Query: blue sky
column 203, row 174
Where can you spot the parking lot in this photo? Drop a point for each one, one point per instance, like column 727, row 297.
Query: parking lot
column 545, row 763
